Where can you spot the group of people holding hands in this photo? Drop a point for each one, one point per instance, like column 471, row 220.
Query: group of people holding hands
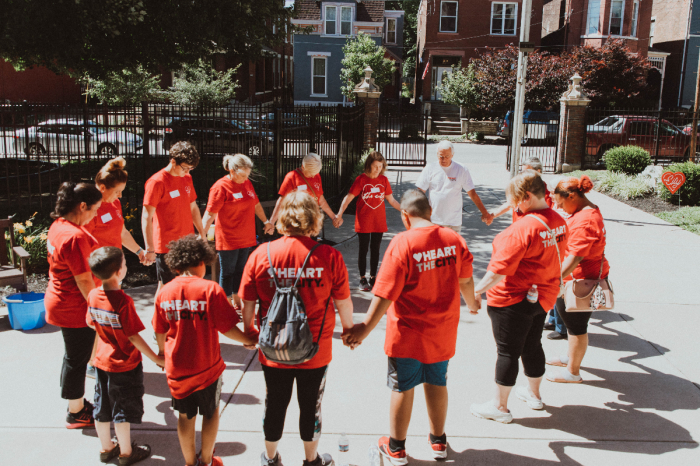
column 424, row 271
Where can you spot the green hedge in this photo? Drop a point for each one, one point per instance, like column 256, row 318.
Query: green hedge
column 690, row 191
column 630, row 160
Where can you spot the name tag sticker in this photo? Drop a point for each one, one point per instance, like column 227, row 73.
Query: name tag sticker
column 302, row 187
column 238, row 195
column 174, row 194
column 106, row 217
column 374, row 190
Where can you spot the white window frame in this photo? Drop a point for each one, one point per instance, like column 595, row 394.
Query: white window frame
column 622, row 18
column 503, row 20
column 388, row 21
column 456, row 16
column 591, row 9
column 635, row 18
column 325, row 76
column 652, row 31
column 326, row 20
column 338, row 19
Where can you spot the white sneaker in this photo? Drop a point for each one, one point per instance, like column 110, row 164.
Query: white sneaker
column 489, row 411
column 523, row 393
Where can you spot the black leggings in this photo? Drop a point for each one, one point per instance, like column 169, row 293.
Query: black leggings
column 371, row 241
column 517, row 330
column 78, row 343
column 576, row 322
column 310, row 386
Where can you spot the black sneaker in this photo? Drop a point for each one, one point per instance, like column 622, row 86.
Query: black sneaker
column 276, row 461
column 138, row 453
column 364, row 286
column 549, row 326
column 82, row 418
column 106, row 456
column 557, row 336
column 321, row 460
column 371, row 282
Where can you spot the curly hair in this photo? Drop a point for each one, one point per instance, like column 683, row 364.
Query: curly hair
column 188, row 252
column 375, row 156
column 71, row 195
column 184, row 152
column 299, row 215
column 106, row 261
column 112, row 173
column 529, row 181
column 574, row 185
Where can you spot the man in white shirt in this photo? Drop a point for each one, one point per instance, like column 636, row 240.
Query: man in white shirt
column 445, row 182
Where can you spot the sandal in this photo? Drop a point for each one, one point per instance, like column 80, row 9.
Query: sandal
column 563, row 376
column 561, row 361
column 138, row 453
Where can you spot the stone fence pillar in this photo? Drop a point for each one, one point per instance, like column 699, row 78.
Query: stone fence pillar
column 367, row 92
column 572, row 127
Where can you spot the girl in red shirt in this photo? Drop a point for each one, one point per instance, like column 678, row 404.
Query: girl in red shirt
column 370, row 188
column 233, row 196
column 526, row 254
column 585, row 259
column 70, row 282
column 533, row 163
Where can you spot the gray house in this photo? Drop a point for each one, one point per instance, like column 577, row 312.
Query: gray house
column 317, row 56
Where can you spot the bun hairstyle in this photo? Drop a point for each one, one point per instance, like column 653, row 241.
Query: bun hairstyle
column 112, row 173
column 529, row 181
column 236, row 162
column 574, row 185
column 71, row 195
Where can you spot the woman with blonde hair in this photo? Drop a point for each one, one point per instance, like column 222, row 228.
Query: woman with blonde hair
column 325, row 276
column 585, row 259
column 371, row 188
column 522, row 280
column 234, row 205
column 306, row 178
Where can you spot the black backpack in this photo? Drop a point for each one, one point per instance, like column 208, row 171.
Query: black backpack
column 285, row 337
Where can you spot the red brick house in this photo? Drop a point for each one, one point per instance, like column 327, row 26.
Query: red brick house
column 453, row 31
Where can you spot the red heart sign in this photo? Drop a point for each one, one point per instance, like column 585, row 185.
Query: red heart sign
column 673, row 181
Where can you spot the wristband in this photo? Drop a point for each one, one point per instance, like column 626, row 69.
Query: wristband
column 139, row 251
column 150, row 252
column 266, row 222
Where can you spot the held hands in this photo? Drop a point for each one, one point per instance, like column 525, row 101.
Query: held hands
column 149, row 258
column 269, row 229
column 253, row 335
column 487, row 218
column 474, row 308
column 353, row 337
column 160, row 361
column 338, row 221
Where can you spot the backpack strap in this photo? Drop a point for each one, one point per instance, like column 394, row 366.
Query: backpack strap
column 272, row 270
column 554, row 238
column 323, row 322
column 306, row 261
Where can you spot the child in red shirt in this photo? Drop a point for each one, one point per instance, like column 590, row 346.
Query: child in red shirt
column 119, row 379
column 190, row 312
column 418, row 287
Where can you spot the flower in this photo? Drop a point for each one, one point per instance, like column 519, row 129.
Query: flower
column 28, row 223
column 19, row 228
column 28, row 239
column 43, row 236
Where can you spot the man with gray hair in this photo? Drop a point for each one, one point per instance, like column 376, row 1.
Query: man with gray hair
column 446, row 182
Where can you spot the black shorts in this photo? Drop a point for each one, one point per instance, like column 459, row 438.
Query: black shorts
column 206, row 401
column 164, row 273
column 119, row 396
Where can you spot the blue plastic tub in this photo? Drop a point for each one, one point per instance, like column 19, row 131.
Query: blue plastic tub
column 26, row 310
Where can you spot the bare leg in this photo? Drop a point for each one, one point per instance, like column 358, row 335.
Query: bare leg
column 578, row 344
column 271, row 449
column 311, row 450
column 123, row 431
column 436, row 400
column 94, row 351
column 534, row 385
column 75, row 406
column 400, row 413
column 501, row 400
column 104, row 434
column 186, row 435
column 210, row 427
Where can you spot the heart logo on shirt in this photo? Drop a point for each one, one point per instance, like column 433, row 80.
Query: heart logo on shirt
column 543, row 234
column 417, row 256
column 373, row 195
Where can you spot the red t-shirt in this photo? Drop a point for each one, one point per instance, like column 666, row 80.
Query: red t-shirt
column 526, row 255
column 107, row 225
column 191, row 311
column 114, row 316
column 420, row 273
column 517, row 213
column 325, row 276
column 295, row 180
column 587, row 239
column 370, row 213
column 171, row 196
column 68, row 248
column 235, row 205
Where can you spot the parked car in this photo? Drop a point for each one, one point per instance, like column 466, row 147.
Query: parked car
column 218, row 135
column 295, row 126
column 646, row 132
column 539, row 126
column 69, row 137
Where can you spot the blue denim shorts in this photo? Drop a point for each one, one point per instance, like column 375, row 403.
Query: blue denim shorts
column 119, row 396
column 406, row 373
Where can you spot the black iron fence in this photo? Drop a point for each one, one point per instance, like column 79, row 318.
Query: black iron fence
column 402, row 133
column 540, row 138
column 43, row 145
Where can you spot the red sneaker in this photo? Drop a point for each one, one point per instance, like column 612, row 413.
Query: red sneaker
column 396, row 457
column 81, row 419
column 439, row 449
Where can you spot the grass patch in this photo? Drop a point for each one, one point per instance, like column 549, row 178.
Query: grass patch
column 687, row 218
column 624, row 186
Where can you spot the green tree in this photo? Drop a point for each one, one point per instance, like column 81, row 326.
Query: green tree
column 81, row 37
column 459, row 88
column 359, row 52
column 202, row 84
column 124, row 87
column 410, row 32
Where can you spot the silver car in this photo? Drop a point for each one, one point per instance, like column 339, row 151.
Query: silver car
column 69, row 137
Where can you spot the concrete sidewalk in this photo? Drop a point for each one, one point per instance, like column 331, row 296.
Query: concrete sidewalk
column 638, row 403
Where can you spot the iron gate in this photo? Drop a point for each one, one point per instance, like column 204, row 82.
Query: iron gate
column 402, row 133
column 540, row 138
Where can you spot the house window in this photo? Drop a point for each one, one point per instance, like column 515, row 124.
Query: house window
column 391, row 31
column 635, row 17
column 652, row 28
column 503, row 18
column 617, row 9
column 318, row 76
column 593, row 21
column 346, row 21
column 335, row 22
column 448, row 17
column 330, row 20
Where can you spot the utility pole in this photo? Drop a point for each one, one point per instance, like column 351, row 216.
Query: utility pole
column 525, row 48
column 694, row 133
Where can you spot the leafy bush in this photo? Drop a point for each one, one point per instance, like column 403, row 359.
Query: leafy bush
column 32, row 235
column 202, row 84
column 442, row 137
column 592, row 174
column 128, row 87
column 476, row 136
column 690, row 191
column 624, row 186
column 687, row 218
column 358, row 53
column 630, row 160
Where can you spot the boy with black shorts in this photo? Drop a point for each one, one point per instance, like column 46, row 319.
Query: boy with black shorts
column 119, row 379
column 190, row 312
column 423, row 272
